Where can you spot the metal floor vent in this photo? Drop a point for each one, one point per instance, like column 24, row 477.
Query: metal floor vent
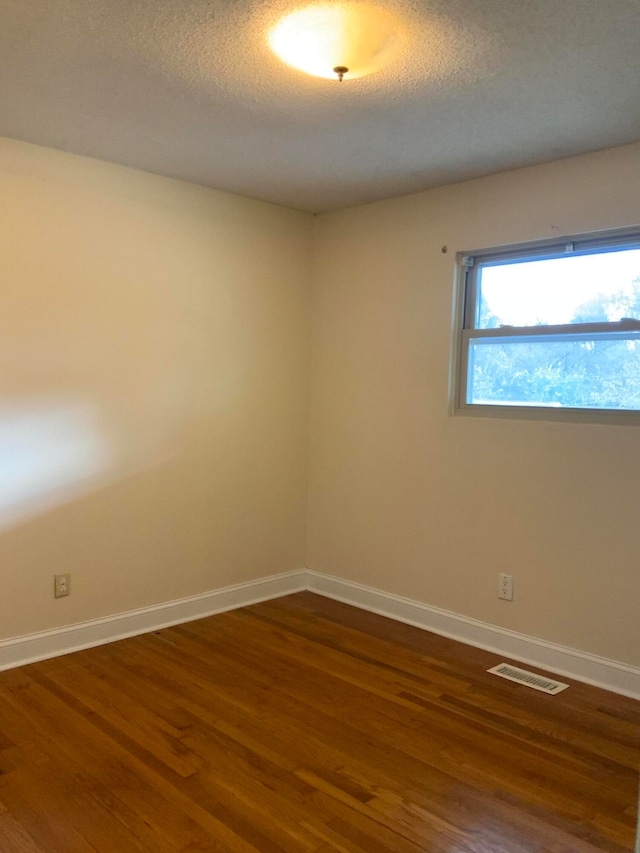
column 529, row 679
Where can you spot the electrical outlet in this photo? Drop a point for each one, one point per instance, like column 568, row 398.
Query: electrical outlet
column 505, row 587
column 61, row 585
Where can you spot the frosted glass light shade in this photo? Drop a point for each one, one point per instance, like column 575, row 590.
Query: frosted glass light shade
column 317, row 39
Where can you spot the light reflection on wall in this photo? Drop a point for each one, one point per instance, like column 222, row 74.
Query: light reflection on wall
column 51, row 451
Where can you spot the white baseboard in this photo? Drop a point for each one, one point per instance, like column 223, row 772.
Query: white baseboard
column 83, row 635
column 563, row 660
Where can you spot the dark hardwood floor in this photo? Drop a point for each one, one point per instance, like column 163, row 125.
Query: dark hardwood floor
column 306, row 725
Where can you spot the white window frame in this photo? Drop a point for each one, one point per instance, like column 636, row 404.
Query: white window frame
column 466, row 309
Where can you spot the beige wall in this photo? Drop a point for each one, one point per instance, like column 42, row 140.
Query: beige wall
column 408, row 499
column 154, row 370
column 154, row 414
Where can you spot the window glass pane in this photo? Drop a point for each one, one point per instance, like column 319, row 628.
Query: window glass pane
column 591, row 288
column 593, row 374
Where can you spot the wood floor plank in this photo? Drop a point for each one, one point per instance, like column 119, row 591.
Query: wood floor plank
column 14, row 837
column 443, row 730
column 303, row 725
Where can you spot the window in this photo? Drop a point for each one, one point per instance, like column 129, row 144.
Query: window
column 552, row 328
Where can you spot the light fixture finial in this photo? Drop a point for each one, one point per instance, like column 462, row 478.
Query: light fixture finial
column 341, row 70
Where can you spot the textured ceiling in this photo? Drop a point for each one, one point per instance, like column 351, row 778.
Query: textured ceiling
column 190, row 89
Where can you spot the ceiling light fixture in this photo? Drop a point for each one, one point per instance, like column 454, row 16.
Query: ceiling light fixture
column 349, row 41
